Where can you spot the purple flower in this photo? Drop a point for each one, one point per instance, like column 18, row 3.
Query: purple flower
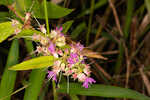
column 73, row 58
column 51, row 48
column 52, row 75
column 88, row 81
column 79, row 46
column 59, row 30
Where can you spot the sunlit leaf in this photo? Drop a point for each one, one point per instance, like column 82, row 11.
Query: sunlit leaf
column 102, row 91
column 35, row 63
column 27, row 33
column 6, row 30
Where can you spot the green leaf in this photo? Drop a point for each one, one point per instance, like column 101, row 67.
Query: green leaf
column 35, row 63
column 66, row 26
column 147, row 2
column 74, row 97
column 6, row 30
column 3, row 16
column 37, row 77
column 27, row 33
column 129, row 14
column 32, row 92
column 102, row 91
column 54, row 11
column 8, row 79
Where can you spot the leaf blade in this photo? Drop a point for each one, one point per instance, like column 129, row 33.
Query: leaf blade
column 7, row 82
column 102, row 90
column 35, row 63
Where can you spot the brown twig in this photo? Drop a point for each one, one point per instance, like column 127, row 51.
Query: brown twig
column 110, row 52
column 103, row 21
column 11, row 7
column 101, row 69
column 97, row 42
column 116, row 17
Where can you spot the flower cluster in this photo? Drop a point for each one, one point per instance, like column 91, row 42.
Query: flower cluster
column 69, row 59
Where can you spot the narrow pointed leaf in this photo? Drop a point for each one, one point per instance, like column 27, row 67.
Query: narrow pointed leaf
column 9, row 77
column 66, row 26
column 35, row 63
column 102, row 91
column 32, row 92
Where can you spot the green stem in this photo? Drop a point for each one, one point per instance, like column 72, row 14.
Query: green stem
column 54, row 91
column 90, row 21
column 46, row 16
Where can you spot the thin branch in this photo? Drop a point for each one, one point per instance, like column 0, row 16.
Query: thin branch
column 116, row 17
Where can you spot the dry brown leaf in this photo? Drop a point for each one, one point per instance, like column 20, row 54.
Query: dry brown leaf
column 91, row 54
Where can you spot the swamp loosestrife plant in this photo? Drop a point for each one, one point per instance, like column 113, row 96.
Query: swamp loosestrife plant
column 68, row 57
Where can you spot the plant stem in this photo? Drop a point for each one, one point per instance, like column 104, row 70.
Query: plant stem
column 46, row 16
column 54, row 91
column 90, row 21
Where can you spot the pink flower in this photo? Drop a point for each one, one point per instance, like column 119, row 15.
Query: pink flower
column 79, row 46
column 42, row 28
column 28, row 15
column 74, row 76
column 60, row 52
column 88, row 81
column 59, row 31
column 14, row 22
column 51, row 48
column 17, row 30
column 81, row 77
column 52, row 75
column 86, row 71
column 73, row 58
